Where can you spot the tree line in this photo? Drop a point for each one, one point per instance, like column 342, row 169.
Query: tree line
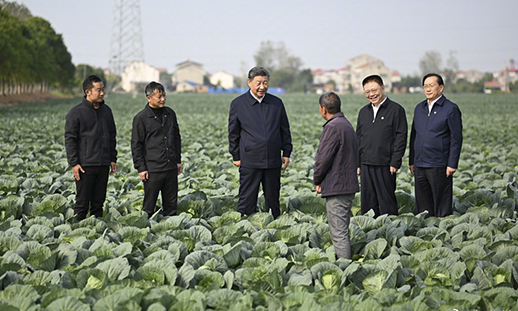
column 33, row 57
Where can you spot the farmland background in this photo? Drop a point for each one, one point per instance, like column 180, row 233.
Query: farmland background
column 37, row 190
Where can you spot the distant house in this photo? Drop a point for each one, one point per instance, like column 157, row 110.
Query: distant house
column 185, row 86
column 323, row 78
column 470, row 76
column 137, row 75
column 223, row 80
column 191, row 87
column 507, row 76
column 366, row 65
column 396, row 77
column 188, row 71
column 350, row 78
column 490, row 86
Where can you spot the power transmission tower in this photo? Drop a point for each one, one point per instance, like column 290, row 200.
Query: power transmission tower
column 126, row 42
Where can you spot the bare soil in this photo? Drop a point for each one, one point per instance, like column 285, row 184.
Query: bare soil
column 13, row 100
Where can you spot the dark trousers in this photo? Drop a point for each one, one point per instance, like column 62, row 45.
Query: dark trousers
column 433, row 191
column 91, row 191
column 165, row 182
column 249, row 180
column 378, row 188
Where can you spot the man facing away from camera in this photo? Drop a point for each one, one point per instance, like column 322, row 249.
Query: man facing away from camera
column 335, row 175
column 156, row 150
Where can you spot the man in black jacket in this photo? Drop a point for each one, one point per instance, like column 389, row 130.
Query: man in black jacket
column 156, row 149
column 382, row 134
column 258, row 130
column 90, row 139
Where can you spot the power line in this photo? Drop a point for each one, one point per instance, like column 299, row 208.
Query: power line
column 126, row 44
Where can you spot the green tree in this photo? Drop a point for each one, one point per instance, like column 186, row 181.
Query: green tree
column 408, row 81
column 284, row 67
column 430, row 62
column 33, row 56
column 15, row 9
column 513, row 87
column 14, row 51
column 83, row 70
column 452, row 67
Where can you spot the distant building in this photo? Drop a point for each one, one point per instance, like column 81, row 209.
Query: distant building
column 366, row 65
column 188, row 71
column 396, row 77
column 506, row 76
column 323, row 78
column 470, row 76
column 191, row 87
column 349, row 78
column 490, row 86
column 137, row 75
column 223, row 80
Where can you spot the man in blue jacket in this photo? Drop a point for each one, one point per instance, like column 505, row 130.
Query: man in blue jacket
column 435, row 144
column 90, row 139
column 258, row 130
column 334, row 172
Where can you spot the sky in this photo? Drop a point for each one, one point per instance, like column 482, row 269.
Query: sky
column 224, row 35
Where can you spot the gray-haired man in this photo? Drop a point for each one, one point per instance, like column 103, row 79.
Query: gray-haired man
column 258, row 131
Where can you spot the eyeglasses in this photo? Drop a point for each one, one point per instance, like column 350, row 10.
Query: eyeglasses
column 374, row 91
column 431, row 85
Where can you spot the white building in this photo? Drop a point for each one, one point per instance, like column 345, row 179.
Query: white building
column 350, row 77
column 470, row 76
column 188, row 71
column 223, row 80
column 137, row 75
column 338, row 76
column 366, row 65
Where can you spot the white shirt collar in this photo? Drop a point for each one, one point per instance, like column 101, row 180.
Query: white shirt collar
column 380, row 103
column 259, row 100
column 431, row 103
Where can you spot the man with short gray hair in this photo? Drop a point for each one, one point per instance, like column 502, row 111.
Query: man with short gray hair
column 334, row 172
column 258, row 131
column 156, row 149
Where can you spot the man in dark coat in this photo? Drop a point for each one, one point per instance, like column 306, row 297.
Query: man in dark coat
column 435, row 144
column 90, row 139
column 258, row 130
column 334, row 172
column 382, row 136
column 156, row 150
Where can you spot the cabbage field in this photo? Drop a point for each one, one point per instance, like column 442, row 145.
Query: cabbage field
column 210, row 258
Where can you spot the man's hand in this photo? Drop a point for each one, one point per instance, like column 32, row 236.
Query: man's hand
column 393, row 170
column 412, row 169
column 358, row 171
column 318, row 188
column 286, row 162
column 180, row 168
column 143, row 175
column 450, row 171
column 114, row 168
column 76, row 169
column 237, row 163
